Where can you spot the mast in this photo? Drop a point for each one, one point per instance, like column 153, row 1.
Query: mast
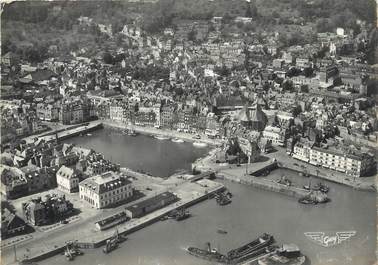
column 15, row 253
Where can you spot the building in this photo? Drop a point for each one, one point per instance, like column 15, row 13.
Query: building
column 105, row 190
column 167, row 116
column 47, row 112
column 9, row 59
column 254, row 119
column 39, row 179
column 149, row 205
column 51, row 209
column 349, row 160
column 111, row 221
column 67, row 179
column 11, row 224
column 13, row 183
column 276, row 135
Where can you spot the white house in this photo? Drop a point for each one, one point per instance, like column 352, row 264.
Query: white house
column 106, row 189
column 67, row 179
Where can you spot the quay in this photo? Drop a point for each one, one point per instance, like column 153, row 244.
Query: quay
column 252, row 179
column 284, row 161
column 189, row 193
column 162, row 132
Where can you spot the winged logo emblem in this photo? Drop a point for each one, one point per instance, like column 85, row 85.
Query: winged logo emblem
column 329, row 240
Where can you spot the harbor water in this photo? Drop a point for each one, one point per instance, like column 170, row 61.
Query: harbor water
column 251, row 213
column 160, row 158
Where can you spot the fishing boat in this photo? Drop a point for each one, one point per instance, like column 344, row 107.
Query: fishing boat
column 284, row 181
column 308, row 186
column 177, row 140
column 179, row 214
column 314, row 197
column 321, row 187
column 209, row 254
column 200, row 144
column 262, row 241
column 130, row 132
column 221, row 231
column 222, row 199
column 72, row 251
column 161, row 137
column 112, row 243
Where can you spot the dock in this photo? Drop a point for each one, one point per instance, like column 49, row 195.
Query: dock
column 189, row 193
column 252, row 179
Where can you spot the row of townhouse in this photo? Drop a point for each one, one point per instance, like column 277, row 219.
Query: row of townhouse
column 166, row 116
column 353, row 163
column 69, row 111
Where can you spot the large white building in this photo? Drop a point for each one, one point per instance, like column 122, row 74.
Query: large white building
column 275, row 135
column 106, row 189
column 352, row 162
column 67, row 179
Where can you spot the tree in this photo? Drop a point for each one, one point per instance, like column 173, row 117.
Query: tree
column 304, row 89
column 324, row 25
column 296, row 110
column 192, row 35
column 251, row 10
column 308, row 71
column 108, row 58
column 287, row 85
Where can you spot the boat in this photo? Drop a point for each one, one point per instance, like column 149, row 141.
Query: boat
column 314, row 197
column 321, row 187
column 255, row 254
column 112, row 243
column 221, row 231
column 89, row 134
column 284, row 181
column 72, row 251
column 286, row 255
column 308, row 186
column 197, row 136
column 200, row 144
column 179, row 214
column 161, row 137
column 130, row 132
column 177, row 140
column 209, row 254
column 262, row 241
column 222, row 199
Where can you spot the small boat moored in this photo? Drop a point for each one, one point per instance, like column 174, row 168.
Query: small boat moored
column 200, row 144
column 177, row 140
column 221, row 231
column 209, row 254
column 161, row 137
